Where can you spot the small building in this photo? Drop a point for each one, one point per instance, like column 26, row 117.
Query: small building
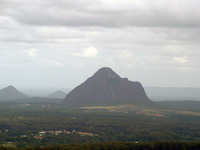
column 58, row 132
column 66, row 132
column 38, row 137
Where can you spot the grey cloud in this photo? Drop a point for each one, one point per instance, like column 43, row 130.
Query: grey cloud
column 146, row 39
column 181, row 13
column 137, row 37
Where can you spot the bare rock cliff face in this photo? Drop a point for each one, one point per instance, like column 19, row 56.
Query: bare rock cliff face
column 104, row 86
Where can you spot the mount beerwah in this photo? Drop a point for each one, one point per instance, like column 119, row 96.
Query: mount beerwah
column 107, row 87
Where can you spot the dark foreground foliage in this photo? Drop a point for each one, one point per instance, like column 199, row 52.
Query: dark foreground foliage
column 120, row 146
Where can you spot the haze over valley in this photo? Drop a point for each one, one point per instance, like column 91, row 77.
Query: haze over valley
column 154, row 93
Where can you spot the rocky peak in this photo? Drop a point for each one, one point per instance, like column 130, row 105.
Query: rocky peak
column 106, row 86
column 106, row 73
column 12, row 88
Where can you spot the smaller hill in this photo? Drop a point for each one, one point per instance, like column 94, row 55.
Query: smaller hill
column 11, row 93
column 57, row 94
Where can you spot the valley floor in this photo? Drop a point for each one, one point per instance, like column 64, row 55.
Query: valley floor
column 39, row 125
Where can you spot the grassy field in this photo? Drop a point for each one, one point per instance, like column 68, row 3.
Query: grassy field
column 159, row 112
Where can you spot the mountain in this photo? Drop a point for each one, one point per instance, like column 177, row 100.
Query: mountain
column 105, row 86
column 10, row 93
column 57, row 94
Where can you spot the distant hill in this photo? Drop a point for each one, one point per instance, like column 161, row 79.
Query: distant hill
column 11, row 93
column 173, row 93
column 57, row 94
column 105, row 86
column 43, row 92
column 183, row 105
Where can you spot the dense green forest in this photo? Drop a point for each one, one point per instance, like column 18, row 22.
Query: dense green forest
column 170, row 145
column 37, row 125
column 128, row 146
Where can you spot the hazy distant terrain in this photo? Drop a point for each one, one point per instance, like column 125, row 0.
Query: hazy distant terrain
column 172, row 93
column 42, row 92
column 154, row 93
column 57, row 94
column 10, row 92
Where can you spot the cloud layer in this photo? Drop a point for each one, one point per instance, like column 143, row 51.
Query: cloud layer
column 134, row 37
column 110, row 13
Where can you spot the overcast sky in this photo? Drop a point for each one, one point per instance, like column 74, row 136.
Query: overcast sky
column 60, row 43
